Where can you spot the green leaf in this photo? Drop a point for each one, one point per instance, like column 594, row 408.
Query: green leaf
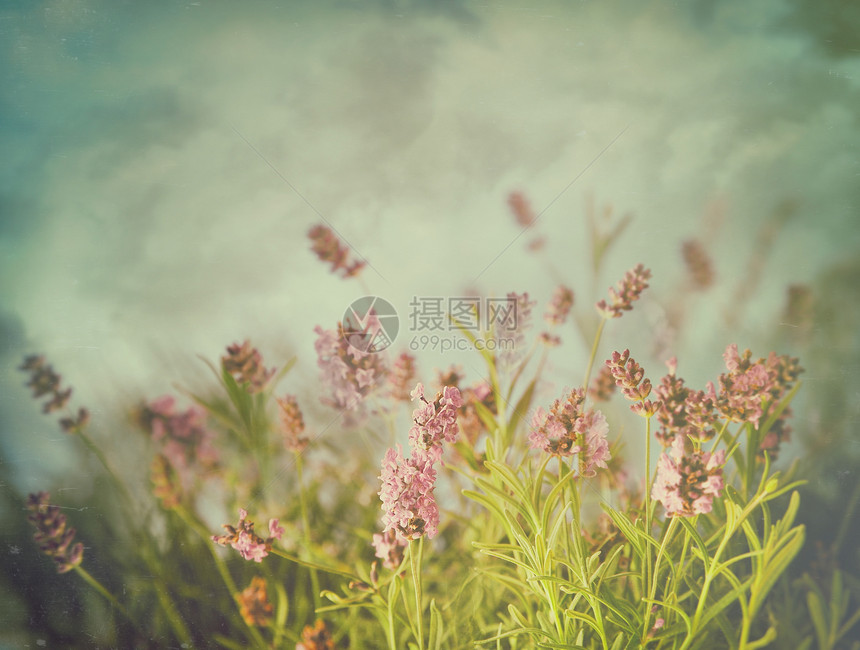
column 487, row 417
column 816, row 612
column 774, row 567
column 522, row 406
column 627, row 529
column 694, row 534
column 436, row 627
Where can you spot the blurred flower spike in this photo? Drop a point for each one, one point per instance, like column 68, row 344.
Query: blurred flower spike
column 292, row 424
column 328, row 247
column 45, row 382
column 52, row 536
column 316, row 637
column 254, row 605
column 245, row 364
column 243, row 538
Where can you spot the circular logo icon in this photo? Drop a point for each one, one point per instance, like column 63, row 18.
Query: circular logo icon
column 370, row 324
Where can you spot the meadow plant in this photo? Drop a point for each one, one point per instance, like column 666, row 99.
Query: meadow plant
column 510, row 521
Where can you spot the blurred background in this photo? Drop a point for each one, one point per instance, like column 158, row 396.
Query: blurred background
column 162, row 163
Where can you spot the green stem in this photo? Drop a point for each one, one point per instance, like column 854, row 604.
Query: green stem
column 392, row 645
column 647, row 498
column 415, row 564
column 163, row 594
column 593, row 352
column 306, row 530
column 653, row 587
column 99, row 587
column 201, row 530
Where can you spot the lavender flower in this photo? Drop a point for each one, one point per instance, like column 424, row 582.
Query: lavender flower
column 245, row 364
column 44, row 381
column 407, row 495
column 52, row 536
column 389, row 548
column 402, row 376
column 434, row 422
column 521, row 209
column 750, row 391
column 327, row 246
column 687, row 482
column 603, row 386
column 182, row 438
column 628, row 290
column 243, row 538
column 630, row 377
column 510, row 336
column 700, row 270
column 568, row 429
column 292, row 424
column 316, row 637
column 559, row 306
column 254, row 605
column 349, row 373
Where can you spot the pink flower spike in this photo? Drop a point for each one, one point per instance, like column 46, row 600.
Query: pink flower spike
column 417, row 392
column 275, row 531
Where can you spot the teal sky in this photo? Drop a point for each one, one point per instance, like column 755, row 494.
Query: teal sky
column 162, row 163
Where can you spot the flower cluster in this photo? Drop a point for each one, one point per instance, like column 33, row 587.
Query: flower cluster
column 683, row 411
column 700, row 270
column 166, row 486
column 254, row 605
column 316, row 637
column 52, row 536
column 243, row 538
column 401, row 378
column 603, row 386
column 292, row 424
column 559, row 306
column 183, row 441
column 434, row 422
column 751, row 390
column 569, row 429
column 470, row 423
column 687, row 481
column 630, row 378
column 44, row 381
column 407, row 495
column 510, row 332
column 521, row 209
column 389, row 548
column 628, row 290
column 245, row 364
column 408, row 483
column 329, row 249
column 349, row 373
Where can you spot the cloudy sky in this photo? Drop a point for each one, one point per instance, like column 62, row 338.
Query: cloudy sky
column 163, row 161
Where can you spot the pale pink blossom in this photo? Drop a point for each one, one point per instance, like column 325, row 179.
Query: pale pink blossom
column 349, row 374
column 568, row 429
column 243, row 538
column 688, row 481
column 389, row 548
column 434, row 422
column 407, row 495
